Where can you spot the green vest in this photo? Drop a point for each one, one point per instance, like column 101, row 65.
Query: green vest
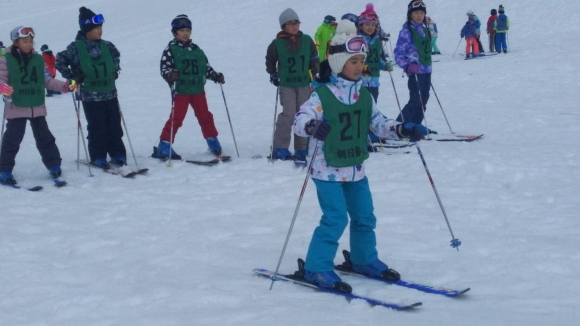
column 192, row 67
column 423, row 45
column 346, row 141
column 26, row 80
column 99, row 73
column 374, row 58
column 294, row 66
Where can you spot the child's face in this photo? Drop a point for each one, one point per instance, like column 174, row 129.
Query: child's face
column 353, row 67
column 183, row 34
column 417, row 16
column 95, row 33
column 292, row 27
column 25, row 44
column 369, row 28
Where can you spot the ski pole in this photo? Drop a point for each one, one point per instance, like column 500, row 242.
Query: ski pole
column 80, row 129
column 172, row 113
column 127, row 132
column 457, row 46
column 297, row 206
column 455, row 243
column 274, row 124
column 396, row 96
column 507, row 41
column 422, row 104
column 437, row 97
column 230, row 120
column 3, row 120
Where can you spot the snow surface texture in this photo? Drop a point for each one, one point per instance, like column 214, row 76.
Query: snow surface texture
column 177, row 247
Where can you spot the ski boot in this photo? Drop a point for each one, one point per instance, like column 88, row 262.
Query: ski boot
column 375, row 269
column 7, row 178
column 282, row 154
column 324, row 279
column 214, row 146
column 101, row 163
column 55, row 171
column 119, row 160
column 300, row 156
column 162, row 151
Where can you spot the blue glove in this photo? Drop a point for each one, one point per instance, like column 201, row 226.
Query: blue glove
column 274, row 79
column 320, row 132
column 415, row 131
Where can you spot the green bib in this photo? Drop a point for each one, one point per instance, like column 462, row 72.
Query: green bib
column 423, row 45
column 26, row 80
column 294, row 66
column 99, row 73
column 346, row 141
column 374, row 58
column 192, row 67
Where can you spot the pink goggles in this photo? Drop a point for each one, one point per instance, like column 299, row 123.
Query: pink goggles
column 355, row 44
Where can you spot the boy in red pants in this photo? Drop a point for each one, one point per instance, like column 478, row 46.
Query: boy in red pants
column 185, row 67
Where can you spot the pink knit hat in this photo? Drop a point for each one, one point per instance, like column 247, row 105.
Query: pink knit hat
column 369, row 15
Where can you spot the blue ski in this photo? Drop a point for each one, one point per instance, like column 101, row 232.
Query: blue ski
column 374, row 302
column 346, row 269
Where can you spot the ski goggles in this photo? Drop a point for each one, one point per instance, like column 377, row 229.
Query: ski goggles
column 96, row 20
column 417, row 4
column 368, row 17
column 25, row 31
column 181, row 23
column 355, row 44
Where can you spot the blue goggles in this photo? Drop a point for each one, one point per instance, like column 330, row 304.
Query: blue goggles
column 181, row 23
column 96, row 20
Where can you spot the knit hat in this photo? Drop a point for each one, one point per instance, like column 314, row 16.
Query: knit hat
column 84, row 15
column 15, row 33
column 415, row 5
column 44, row 47
column 368, row 15
column 470, row 13
column 288, row 15
column 494, row 12
column 344, row 31
column 329, row 19
column 179, row 22
column 501, row 10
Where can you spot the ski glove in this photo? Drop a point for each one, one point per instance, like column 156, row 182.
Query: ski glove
column 173, row 76
column 274, row 79
column 80, row 77
column 5, row 89
column 320, row 132
column 366, row 71
column 217, row 77
column 414, row 131
column 413, row 69
column 389, row 66
column 70, row 85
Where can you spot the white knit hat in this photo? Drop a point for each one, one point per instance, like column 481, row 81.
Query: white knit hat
column 344, row 31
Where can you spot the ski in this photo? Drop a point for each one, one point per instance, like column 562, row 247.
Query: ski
column 221, row 158
column 454, row 137
column 17, row 186
column 349, row 296
column 113, row 171
column 345, row 268
column 136, row 169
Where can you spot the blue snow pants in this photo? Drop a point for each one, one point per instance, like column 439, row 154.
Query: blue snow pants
column 336, row 199
column 413, row 110
column 500, row 42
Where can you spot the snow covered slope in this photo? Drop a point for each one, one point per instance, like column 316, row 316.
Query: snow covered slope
column 177, row 247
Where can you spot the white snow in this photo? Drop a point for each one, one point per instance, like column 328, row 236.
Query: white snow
column 177, row 247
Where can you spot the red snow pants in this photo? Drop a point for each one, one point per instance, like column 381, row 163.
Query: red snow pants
column 204, row 117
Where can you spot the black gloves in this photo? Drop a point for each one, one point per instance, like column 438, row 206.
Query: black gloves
column 320, row 132
column 274, row 79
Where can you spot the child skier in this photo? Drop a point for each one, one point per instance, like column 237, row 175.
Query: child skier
column 468, row 31
column 187, row 83
column 338, row 151
column 22, row 82
column 49, row 61
column 94, row 64
column 324, row 34
column 291, row 60
column 491, row 31
column 501, row 27
column 432, row 25
column 413, row 55
column 470, row 15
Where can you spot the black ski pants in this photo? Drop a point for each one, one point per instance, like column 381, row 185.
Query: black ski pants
column 45, row 142
column 413, row 110
column 105, row 133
